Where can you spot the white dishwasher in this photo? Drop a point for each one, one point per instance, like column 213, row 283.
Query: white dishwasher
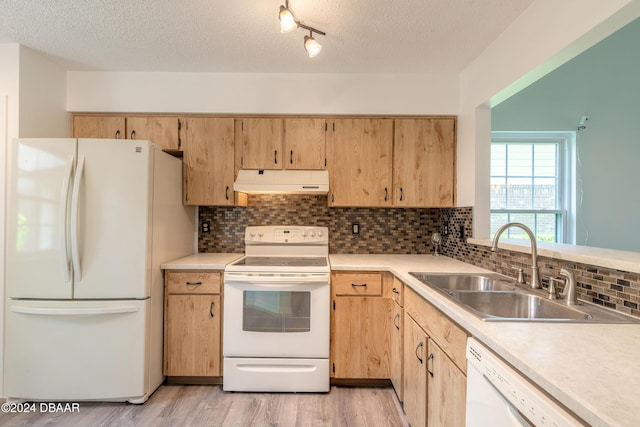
column 499, row 396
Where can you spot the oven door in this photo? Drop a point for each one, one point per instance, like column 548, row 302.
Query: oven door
column 276, row 315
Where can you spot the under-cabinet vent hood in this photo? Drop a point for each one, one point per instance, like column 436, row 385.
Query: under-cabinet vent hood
column 282, row 181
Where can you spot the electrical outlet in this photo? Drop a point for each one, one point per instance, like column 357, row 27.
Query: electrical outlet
column 355, row 228
column 205, row 227
column 445, row 229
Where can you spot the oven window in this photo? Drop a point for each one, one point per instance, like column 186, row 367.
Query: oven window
column 276, row 311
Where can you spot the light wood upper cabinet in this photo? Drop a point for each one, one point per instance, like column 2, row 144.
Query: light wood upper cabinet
column 209, row 161
column 304, row 143
column 161, row 130
column 359, row 160
column 424, row 157
column 261, row 143
column 98, row 126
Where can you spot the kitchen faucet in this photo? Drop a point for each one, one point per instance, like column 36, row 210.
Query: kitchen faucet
column 535, row 275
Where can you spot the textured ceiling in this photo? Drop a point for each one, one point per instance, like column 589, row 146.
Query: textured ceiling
column 363, row 36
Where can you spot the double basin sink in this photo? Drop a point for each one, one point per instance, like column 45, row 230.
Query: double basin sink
column 494, row 297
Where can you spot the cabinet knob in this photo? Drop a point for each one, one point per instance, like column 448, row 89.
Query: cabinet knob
column 118, row 134
column 133, row 134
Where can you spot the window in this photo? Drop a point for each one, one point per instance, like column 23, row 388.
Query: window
column 531, row 184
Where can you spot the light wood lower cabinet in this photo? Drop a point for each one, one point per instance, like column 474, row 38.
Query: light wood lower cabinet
column 434, row 372
column 360, row 327
column 192, row 324
column 396, row 363
column 447, row 390
column 415, row 373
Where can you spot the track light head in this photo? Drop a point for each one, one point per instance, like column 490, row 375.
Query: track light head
column 312, row 46
column 287, row 21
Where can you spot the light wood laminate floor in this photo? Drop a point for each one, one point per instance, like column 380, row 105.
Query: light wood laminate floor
column 202, row 405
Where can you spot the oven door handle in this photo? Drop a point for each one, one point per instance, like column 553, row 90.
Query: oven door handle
column 269, row 285
column 309, row 278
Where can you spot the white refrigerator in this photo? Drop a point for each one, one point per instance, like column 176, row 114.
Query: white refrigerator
column 89, row 221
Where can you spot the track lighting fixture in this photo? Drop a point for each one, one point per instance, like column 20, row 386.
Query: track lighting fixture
column 312, row 47
column 288, row 23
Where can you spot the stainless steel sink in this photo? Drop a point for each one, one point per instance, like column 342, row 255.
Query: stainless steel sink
column 493, row 297
column 466, row 282
column 517, row 306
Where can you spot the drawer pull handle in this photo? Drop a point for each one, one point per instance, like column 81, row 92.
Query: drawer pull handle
column 418, row 348
column 358, row 284
column 211, row 310
column 193, row 283
column 395, row 319
column 430, row 359
column 395, row 291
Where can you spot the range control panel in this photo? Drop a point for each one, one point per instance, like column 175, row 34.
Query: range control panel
column 269, row 234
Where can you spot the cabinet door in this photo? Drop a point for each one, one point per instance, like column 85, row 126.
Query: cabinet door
column 360, row 337
column 446, row 390
column 415, row 373
column 164, row 131
column 192, row 335
column 424, row 158
column 359, row 160
column 98, row 127
column 395, row 342
column 304, row 143
column 208, row 161
column 262, row 143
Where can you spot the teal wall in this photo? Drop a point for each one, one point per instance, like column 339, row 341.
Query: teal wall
column 604, row 84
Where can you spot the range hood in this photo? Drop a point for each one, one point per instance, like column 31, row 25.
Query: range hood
column 282, row 181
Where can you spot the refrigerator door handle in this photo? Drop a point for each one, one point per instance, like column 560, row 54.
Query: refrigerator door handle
column 64, row 200
column 75, row 212
column 98, row 311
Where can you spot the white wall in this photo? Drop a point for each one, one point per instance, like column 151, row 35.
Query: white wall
column 603, row 84
column 546, row 35
column 227, row 93
column 43, row 91
column 32, row 104
column 9, row 73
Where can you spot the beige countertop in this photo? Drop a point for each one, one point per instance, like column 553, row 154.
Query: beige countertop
column 201, row 261
column 593, row 369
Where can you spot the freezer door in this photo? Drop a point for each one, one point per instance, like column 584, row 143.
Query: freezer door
column 111, row 219
column 76, row 350
column 37, row 251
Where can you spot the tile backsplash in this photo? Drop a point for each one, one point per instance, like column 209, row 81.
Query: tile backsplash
column 381, row 230
column 407, row 231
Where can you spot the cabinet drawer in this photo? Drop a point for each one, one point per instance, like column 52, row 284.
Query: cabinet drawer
column 451, row 338
column 397, row 291
column 193, row 282
column 369, row 284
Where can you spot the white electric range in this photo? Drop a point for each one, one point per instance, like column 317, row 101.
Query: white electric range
column 276, row 312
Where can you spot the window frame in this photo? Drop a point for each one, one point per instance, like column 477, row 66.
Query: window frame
column 565, row 190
